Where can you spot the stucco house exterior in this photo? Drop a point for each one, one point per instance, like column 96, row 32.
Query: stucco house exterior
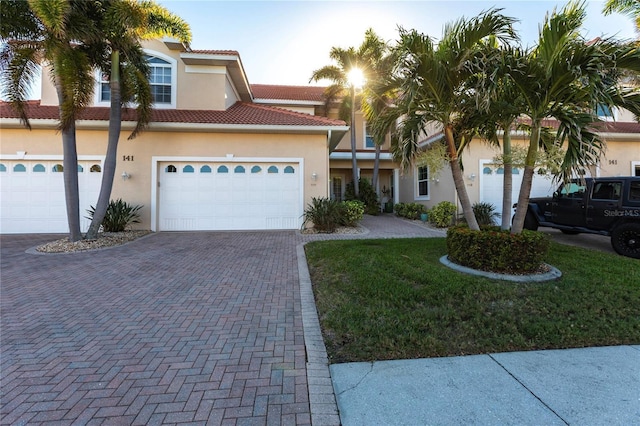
column 223, row 154
column 219, row 153
column 484, row 178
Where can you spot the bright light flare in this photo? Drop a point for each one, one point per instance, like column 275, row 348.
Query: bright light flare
column 356, row 77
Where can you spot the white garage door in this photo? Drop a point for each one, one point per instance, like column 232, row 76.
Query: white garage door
column 32, row 195
column 228, row 196
column 492, row 184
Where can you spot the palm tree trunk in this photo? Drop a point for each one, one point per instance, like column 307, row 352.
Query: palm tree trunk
column 458, row 180
column 70, row 176
column 507, row 185
column 527, row 179
column 109, row 169
column 354, row 161
column 376, row 168
column 70, row 170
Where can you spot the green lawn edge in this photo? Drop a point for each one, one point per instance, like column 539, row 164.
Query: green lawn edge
column 393, row 299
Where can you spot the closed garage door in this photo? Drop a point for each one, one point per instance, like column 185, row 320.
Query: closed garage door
column 229, row 196
column 492, row 184
column 32, row 196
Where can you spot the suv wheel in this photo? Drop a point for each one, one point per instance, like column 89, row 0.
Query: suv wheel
column 625, row 240
column 530, row 222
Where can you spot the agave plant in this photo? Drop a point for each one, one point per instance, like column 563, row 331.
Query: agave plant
column 119, row 215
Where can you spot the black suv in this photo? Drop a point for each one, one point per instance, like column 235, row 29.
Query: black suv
column 606, row 206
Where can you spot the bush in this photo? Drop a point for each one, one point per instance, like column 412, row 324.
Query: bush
column 410, row 210
column 119, row 215
column 367, row 195
column 441, row 215
column 492, row 249
column 485, row 213
column 324, row 213
column 352, row 212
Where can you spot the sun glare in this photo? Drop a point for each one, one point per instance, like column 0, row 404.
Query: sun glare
column 356, row 77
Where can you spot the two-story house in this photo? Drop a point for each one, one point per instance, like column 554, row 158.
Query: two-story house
column 219, row 153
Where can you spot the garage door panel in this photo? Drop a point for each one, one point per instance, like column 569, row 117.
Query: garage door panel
column 492, row 181
column 233, row 196
column 33, row 201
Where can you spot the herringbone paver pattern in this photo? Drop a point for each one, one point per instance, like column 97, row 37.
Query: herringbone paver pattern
column 176, row 328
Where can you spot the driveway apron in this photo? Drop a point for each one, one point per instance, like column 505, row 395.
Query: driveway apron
column 198, row 327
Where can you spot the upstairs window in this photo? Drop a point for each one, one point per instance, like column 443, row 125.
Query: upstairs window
column 604, row 112
column 368, row 139
column 162, row 80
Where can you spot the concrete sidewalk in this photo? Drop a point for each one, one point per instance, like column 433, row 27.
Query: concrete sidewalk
column 590, row 386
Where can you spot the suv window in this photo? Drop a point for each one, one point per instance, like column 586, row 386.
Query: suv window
column 606, row 191
column 572, row 190
column 634, row 191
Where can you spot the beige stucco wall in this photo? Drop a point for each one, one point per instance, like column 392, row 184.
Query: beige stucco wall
column 622, row 155
column 135, row 156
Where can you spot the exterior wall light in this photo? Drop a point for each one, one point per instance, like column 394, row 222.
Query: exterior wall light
column 125, row 175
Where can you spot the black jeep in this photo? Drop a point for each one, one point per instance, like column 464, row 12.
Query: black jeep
column 606, row 206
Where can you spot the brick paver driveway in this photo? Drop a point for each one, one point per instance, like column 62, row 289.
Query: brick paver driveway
column 173, row 328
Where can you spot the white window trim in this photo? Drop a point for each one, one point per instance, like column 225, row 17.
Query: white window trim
column 174, row 83
column 416, row 185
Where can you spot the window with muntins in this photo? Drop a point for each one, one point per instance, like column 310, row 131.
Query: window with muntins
column 160, row 80
column 423, row 181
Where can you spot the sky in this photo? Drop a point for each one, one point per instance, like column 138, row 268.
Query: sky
column 283, row 42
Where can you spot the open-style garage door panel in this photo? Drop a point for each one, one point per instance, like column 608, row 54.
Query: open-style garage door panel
column 228, row 196
column 32, row 198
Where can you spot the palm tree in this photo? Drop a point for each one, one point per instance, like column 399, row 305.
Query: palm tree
column 124, row 24
column 363, row 58
column 433, row 77
column 565, row 77
column 40, row 31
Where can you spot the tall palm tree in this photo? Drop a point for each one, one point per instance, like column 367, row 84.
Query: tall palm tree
column 123, row 24
column 346, row 60
column 565, row 77
column 49, row 32
column 433, row 76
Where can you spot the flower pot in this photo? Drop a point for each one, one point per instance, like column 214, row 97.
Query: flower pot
column 424, row 217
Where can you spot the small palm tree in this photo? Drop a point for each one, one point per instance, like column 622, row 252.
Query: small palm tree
column 123, row 24
column 49, row 32
column 363, row 58
column 432, row 79
column 565, row 77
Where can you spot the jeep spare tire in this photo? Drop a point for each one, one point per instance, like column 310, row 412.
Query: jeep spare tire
column 625, row 240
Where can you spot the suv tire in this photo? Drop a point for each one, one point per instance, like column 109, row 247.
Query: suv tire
column 625, row 240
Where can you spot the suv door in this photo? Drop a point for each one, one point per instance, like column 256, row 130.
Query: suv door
column 604, row 205
column 568, row 206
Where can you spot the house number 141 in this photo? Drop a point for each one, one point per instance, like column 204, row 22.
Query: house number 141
column 127, row 158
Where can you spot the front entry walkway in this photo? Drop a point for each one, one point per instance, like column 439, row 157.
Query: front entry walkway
column 198, row 328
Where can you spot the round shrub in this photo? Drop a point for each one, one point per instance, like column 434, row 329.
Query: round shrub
column 352, row 212
column 494, row 250
column 441, row 215
column 409, row 210
column 367, row 194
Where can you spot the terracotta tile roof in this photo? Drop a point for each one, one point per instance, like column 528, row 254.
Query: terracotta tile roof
column 241, row 113
column 296, row 93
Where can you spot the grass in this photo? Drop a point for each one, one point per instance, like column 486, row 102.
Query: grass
column 392, row 299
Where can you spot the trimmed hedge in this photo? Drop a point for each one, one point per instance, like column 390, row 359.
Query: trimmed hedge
column 494, row 250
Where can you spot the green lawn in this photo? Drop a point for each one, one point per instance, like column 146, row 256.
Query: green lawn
column 392, row 299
